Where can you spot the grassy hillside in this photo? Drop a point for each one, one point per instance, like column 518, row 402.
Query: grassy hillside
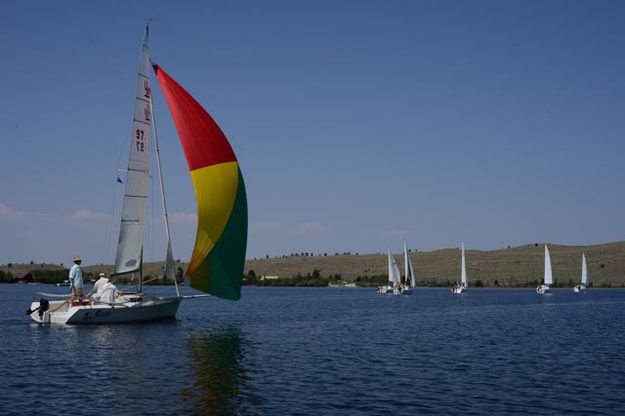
column 518, row 266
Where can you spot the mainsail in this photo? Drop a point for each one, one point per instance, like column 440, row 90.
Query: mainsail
column 463, row 272
column 393, row 270
column 218, row 258
column 130, row 245
column 548, row 273
column 584, row 271
column 409, row 269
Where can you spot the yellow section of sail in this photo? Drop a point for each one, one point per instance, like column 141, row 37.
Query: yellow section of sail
column 215, row 192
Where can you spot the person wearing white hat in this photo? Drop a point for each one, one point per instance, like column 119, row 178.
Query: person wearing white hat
column 75, row 278
column 98, row 286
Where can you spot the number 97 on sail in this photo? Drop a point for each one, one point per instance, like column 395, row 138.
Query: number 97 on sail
column 139, row 135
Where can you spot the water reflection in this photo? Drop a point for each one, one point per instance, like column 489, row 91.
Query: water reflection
column 221, row 382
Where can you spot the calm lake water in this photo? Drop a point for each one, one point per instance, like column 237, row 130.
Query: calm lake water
column 322, row 351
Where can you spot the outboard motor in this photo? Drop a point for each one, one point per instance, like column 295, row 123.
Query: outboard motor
column 44, row 305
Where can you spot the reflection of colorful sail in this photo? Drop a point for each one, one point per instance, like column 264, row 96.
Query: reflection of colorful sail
column 218, row 258
column 220, row 379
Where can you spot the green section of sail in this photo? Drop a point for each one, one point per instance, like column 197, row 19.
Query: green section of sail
column 220, row 274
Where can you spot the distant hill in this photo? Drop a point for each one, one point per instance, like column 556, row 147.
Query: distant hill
column 510, row 267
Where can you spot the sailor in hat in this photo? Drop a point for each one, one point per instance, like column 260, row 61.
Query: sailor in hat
column 75, row 278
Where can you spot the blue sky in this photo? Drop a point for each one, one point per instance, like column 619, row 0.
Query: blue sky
column 356, row 123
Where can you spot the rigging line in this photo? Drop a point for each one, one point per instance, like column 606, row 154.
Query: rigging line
column 113, row 214
column 161, row 182
column 149, row 223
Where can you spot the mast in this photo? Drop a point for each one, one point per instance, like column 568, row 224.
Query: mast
column 170, row 272
column 129, row 257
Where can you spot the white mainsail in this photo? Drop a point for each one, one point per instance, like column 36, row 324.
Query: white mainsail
column 463, row 272
column 130, row 245
column 393, row 270
column 548, row 273
column 584, row 271
column 409, row 269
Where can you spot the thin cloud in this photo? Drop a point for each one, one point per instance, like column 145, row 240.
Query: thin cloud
column 398, row 232
column 7, row 212
column 305, row 228
column 86, row 215
column 183, row 217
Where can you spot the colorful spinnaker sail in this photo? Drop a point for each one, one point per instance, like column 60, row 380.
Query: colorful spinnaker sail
column 217, row 262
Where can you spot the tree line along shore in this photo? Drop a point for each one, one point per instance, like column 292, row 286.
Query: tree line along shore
column 521, row 266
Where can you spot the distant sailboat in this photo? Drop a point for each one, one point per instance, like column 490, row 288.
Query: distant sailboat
column 548, row 278
column 409, row 281
column 464, row 281
column 393, row 276
column 585, row 282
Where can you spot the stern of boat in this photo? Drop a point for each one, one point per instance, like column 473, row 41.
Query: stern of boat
column 45, row 312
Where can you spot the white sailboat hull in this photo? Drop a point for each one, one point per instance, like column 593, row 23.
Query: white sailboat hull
column 385, row 289
column 402, row 290
column 579, row 288
column 397, row 290
column 458, row 289
column 543, row 290
column 149, row 308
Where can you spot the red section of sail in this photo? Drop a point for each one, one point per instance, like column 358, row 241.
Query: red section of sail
column 203, row 141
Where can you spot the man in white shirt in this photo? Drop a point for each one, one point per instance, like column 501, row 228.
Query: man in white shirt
column 109, row 293
column 98, row 286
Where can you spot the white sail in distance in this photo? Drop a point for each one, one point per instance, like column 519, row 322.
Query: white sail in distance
column 131, row 231
column 548, row 273
column 584, row 271
column 463, row 272
column 409, row 269
column 393, row 270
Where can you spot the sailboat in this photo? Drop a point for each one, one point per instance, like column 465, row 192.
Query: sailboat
column 393, row 277
column 464, row 282
column 548, row 279
column 410, row 282
column 216, row 265
column 585, row 282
